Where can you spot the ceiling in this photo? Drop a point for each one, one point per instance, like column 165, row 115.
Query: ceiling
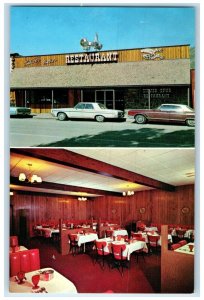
column 102, row 171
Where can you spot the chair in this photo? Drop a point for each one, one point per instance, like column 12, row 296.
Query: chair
column 109, row 233
column 139, row 252
column 73, row 244
column 100, row 253
column 182, row 242
column 140, row 226
column 153, row 243
column 120, row 260
column 26, row 261
column 180, row 233
column 175, row 246
column 135, row 235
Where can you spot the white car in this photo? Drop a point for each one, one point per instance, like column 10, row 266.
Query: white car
column 87, row 110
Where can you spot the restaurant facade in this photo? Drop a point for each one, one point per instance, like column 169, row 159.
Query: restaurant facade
column 120, row 79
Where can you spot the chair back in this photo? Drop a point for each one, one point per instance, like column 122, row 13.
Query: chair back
column 109, row 233
column 136, row 235
column 180, row 233
column 118, row 251
column 153, row 240
column 72, row 238
column 138, row 238
column 26, row 261
column 100, row 245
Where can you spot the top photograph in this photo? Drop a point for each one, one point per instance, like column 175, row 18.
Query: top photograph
column 102, row 76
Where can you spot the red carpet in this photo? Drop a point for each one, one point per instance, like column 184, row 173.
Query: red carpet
column 141, row 277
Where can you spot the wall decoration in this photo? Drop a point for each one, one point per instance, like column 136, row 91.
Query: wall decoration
column 185, row 210
column 142, row 210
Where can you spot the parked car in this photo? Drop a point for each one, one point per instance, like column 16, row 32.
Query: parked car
column 170, row 113
column 87, row 110
column 19, row 111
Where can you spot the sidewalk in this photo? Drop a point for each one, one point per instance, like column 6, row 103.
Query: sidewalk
column 43, row 116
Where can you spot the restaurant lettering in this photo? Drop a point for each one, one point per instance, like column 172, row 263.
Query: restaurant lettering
column 92, row 58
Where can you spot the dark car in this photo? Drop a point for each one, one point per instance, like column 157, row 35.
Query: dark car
column 169, row 113
column 19, row 111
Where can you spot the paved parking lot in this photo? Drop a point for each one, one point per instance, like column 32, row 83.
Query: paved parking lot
column 45, row 131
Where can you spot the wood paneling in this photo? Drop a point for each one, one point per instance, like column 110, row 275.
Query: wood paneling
column 177, row 269
column 173, row 52
column 160, row 207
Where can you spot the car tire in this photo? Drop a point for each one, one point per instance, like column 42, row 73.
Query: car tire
column 190, row 122
column 140, row 119
column 61, row 116
column 100, row 118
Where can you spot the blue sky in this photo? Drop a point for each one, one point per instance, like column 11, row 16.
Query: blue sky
column 36, row 30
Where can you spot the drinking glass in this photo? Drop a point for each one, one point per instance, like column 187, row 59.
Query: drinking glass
column 21, row 277
column 35, row 280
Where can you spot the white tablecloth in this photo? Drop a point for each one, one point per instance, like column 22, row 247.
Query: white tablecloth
column 130, row 247
column 151, row 229
column 120, row 232
column 58, row 284
column 185, row 249
column 47, row 231
column 159, row 241
column 188, row 233
column 133, row 246
column 88, row 237
column 17, row 249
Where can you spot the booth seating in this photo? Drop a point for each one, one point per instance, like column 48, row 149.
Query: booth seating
column 26, row 261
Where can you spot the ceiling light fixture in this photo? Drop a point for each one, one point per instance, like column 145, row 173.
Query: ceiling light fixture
column 31, row 178
column 128, row 193
column 82, row 198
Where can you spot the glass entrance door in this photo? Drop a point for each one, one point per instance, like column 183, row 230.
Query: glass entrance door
column 107, row 97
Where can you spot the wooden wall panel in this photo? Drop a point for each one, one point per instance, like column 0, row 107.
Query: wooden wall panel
column 153, row 206
column 177, row 269
column 173, row 52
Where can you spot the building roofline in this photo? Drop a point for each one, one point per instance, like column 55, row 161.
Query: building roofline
column 126, row 49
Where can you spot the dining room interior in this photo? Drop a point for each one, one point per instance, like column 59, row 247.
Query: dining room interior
column 100, row 221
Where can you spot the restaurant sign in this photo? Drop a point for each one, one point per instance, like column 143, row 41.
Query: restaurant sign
column 91, row 58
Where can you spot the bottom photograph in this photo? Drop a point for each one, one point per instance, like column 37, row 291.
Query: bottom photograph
column 94, row 220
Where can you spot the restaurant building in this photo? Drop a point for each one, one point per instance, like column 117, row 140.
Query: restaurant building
column 121, row 79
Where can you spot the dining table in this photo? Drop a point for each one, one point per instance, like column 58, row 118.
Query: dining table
column 87, row 237
column 131, row 246
column 122, row 232
column 58, row 284
column 187, row 249
column 145, row 236
column 47, row 231
column 17, row 249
